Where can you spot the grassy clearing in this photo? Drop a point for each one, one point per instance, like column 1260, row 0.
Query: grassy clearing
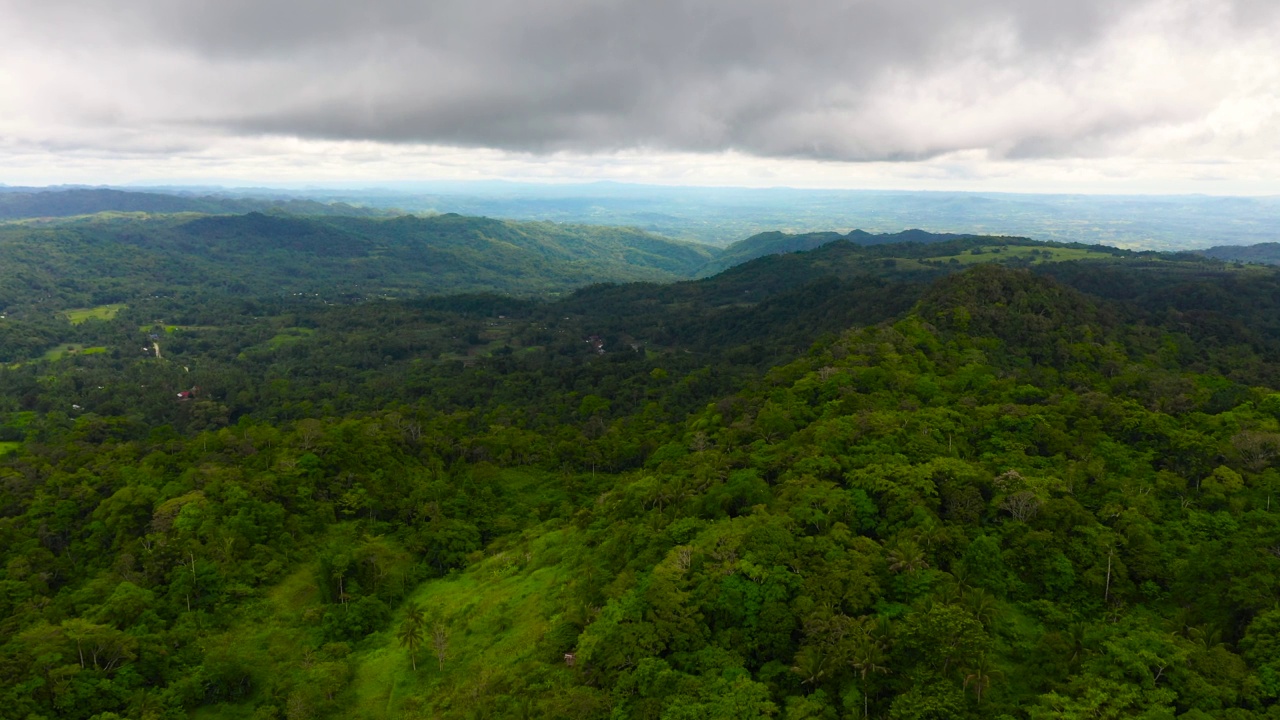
column 908, row 264
column 270, row 633
column 68, row 349
column 495, row 613
column 7, row 447
column 155, row 327
column 1036, row 255
column 101, row 312
column 283, row 338
column 496, row 336
column 295, row 593
column 288, row 336
column 21, row 419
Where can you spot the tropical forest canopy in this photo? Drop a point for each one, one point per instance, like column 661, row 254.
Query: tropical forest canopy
column 248, row 471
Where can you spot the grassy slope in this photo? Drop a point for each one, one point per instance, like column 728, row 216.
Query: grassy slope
column 61, row 351
column 495, row 613
column 101, row 312
column 1034, row 254
column 268, row 633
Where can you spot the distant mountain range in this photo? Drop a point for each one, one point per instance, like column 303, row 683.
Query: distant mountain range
column 88, row 246
column 20, row 203
column 722, row 216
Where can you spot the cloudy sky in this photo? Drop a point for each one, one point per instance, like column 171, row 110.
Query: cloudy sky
column 1080, row 95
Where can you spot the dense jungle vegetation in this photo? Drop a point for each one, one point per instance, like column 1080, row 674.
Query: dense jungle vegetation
column 976, row 477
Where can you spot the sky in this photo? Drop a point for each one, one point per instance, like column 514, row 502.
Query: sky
column 1106, row 96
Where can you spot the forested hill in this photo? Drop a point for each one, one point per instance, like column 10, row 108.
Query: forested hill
column 215, row 273
column 18, row 203
column 774, row 243
column 1004, row 480
column 1265, row 253
column 99, row 260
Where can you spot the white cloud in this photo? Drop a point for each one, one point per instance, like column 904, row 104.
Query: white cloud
column 1146, row 95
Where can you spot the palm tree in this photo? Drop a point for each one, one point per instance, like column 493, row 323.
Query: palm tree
column 1077, row 636
column 412, row 630
column 146, row 706
column 979, row 676
column 983, row 606
column 963, row 578
column 931, row 535
column 949, row 594
column 1205, row 637
column 811, row 665
column 906, row 557
column 867, row 657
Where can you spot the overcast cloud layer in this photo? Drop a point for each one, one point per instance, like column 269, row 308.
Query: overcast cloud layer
column 1186, row 89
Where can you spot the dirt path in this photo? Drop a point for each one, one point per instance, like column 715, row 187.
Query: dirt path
column 156, row 347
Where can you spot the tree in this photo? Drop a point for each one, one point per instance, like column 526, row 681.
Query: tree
column 867, row 657
column 78, row 631
column 412, row 631
column 1022, row 505
column 979, row 676
column 983, row 606
column 985, row 564
column 811, row 665
column 906, row 557
column 440, row 642
column 942, row 635
column 1256, row 449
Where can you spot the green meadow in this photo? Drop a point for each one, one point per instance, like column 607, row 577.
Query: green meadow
column 101, row 312
column 68, row 349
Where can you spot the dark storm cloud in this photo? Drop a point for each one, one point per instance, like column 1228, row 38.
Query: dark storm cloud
column 805, row 78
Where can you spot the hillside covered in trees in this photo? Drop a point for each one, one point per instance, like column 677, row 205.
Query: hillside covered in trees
column 777, row 243
column 1264, row 253
column 973, row 478
column 104, row 259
